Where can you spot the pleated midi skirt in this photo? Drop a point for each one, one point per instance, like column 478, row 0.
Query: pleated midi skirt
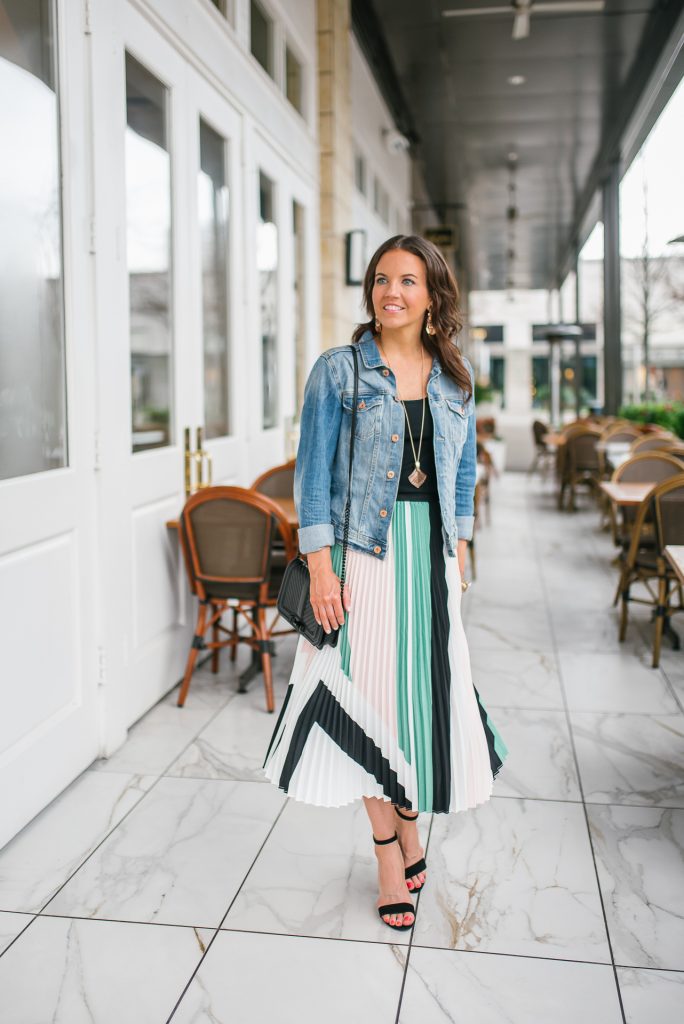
column 391, row 711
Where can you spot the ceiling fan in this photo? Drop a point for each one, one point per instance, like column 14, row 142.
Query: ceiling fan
column 522, row 9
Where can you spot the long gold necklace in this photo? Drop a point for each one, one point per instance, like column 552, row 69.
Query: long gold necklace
column 417, row 477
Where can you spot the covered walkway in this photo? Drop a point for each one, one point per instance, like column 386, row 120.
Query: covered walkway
column 168, row 882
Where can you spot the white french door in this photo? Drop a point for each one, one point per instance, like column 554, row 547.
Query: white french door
column 179, row 310
column 48, row 567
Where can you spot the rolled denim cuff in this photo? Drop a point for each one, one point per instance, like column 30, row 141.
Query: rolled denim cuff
column 465, row 526
column 313, row 538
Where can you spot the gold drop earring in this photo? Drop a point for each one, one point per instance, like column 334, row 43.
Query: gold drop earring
column 429, row 326
column 378, row 326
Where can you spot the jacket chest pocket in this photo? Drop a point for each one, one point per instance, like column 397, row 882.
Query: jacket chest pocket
column 457, row 413
column 368, row 412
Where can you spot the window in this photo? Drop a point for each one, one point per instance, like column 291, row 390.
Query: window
column 496, row 378
column 488, row 332
column 267, row 266
column 148, row 242
column 261, row 36
column 380, row 200
column 298, row 286
column 541, row 388
column 213, row 210
column 360, row 173
column 293, row 80
column 33, row 429
column 541, row 392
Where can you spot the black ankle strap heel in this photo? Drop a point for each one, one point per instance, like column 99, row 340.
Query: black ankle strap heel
column 395, row 908
column 420, row 865
column 406, row 817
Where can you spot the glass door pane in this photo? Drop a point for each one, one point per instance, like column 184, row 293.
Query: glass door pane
column 213, row 207
column 267, row 265
column 148, row 226
column 299, row 283
column 33, row 430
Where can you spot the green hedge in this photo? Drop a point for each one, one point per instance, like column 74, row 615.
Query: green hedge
column 669, row 415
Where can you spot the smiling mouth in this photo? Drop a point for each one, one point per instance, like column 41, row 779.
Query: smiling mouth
column 393, row 309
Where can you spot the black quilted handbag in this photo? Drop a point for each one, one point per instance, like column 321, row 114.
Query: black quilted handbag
column 294, row 602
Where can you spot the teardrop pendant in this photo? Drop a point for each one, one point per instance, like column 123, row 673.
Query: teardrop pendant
column 417, row 477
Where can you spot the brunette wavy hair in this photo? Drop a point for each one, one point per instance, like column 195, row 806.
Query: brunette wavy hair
column 444, row 295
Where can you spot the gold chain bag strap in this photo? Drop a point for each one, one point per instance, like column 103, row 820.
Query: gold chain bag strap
column 294, row 601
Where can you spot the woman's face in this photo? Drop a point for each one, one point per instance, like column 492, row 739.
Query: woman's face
column 400, row 295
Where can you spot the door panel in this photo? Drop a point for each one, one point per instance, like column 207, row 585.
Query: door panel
column 49, row 680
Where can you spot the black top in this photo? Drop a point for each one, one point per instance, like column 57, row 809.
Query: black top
column 428, row 490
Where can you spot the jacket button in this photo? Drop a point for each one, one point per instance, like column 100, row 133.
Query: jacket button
column 377, row 549
column 390, row 474
column 383, row 512
column 385, row 373
column 395, row 437
column 362, row 405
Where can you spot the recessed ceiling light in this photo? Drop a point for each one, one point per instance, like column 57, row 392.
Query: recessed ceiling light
column 516, row 79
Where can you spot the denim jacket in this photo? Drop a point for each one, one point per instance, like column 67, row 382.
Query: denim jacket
column 322, row 466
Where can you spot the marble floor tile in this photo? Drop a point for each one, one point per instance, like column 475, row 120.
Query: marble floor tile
column 317, row 876
column 631, row 759
column 516, row 679
column 614, row 681
column 540, row 762
column 102, row 972
column 50, row 848
column 179, row 858
column 157, row 739
column 450, row 987
column 513, row 876
column 505, row 629
column 672, row 667
column 639, row 856
column 250, row 979
column 592, row 630
column 209, row 690
column 10, row 926
column 649, row 996
column 233, row 745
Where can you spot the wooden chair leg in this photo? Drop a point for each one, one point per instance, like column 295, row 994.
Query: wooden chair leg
column 215, row 654
column 264, row 644
column 619, row 587
column 661, row 612
column 194, row 651
column 233, row 650
column 624, row 613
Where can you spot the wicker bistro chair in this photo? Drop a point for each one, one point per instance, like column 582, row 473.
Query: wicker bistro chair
column 277, row 482
column 580, row 464
column 665, row 507
column 677, row 452
column 618, row 431
column 644, row 467
column 228, row 533
column 652, row 443
column 543, row 456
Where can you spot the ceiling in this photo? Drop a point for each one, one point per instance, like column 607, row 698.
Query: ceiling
column 447, row 83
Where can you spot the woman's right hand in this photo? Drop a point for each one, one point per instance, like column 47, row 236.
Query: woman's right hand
column 325, row 590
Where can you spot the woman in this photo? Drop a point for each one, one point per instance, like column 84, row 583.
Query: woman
column 390, row 713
